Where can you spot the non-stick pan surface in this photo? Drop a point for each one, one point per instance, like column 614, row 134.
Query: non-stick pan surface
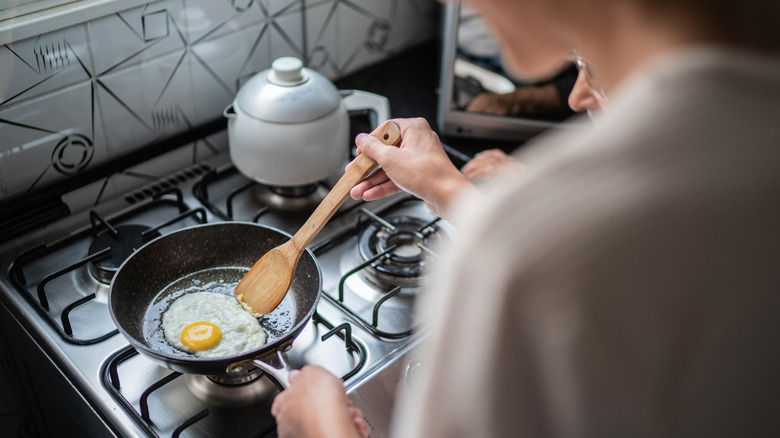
column 205, row 253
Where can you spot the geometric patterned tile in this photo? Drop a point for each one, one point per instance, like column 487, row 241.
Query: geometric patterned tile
column 346, row 35
column 281, row 7
column 220, row 72
column 37, row 65
column 148, row 101
column 322, row 39
column 286, row 34
column 136, row 35
column 209, row 19
column 364, row 33
column 48, row 139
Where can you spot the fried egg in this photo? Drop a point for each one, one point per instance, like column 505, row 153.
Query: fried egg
column 211, row 325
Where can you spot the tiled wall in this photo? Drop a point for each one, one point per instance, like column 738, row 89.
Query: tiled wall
column 89, row 93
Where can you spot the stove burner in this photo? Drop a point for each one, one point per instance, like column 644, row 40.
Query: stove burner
column 404, row 265
column 127, row 239
column 231, row 391
column 294, row 191
column 291, row 199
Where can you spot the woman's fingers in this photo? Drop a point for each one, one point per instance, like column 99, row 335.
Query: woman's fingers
column 380, row 191
column 360, row 424
column 377, row 184
column 293, row 375
column 488, row 165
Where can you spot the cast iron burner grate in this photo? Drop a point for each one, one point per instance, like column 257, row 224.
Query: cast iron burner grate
column 142, row 411
column 263, row 198
column 382, row 217
column 35, row 290
column 122, row 240
column 405, row 243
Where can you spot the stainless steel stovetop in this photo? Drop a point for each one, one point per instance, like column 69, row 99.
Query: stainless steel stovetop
column 373, row 258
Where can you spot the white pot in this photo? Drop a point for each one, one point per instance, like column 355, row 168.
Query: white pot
column 289, row 125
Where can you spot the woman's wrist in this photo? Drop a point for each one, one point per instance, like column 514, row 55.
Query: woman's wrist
column 447, row 191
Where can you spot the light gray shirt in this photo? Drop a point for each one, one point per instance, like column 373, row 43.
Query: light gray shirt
column 627, row 282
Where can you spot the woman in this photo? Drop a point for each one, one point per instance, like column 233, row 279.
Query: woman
column 625, row 282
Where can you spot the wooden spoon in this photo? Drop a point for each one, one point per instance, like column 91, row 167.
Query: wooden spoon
column 267, row 282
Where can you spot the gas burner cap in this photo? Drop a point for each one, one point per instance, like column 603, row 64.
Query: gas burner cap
column 403, row 265
column 127, row 239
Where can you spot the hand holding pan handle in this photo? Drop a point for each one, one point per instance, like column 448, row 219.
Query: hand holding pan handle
column 280, row 375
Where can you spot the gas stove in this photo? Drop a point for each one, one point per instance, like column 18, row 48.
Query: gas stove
column 85, row 376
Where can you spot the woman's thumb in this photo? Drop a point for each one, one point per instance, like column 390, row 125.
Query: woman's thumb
column 367, row 144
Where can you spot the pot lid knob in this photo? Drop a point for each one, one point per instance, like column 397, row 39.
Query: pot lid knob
column 287, row 71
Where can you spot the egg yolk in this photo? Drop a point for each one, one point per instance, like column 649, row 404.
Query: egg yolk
column 200, row 336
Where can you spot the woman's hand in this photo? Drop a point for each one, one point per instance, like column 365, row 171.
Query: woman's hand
column 489, row 164
column 418, row 166
column 316, row 405
column 533, row 101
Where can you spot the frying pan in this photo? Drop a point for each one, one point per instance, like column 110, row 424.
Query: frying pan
column 140, row 291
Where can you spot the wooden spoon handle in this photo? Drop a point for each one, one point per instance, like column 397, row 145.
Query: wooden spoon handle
column 389, row 133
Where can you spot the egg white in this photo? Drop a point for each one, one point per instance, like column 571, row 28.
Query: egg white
column 241, row 332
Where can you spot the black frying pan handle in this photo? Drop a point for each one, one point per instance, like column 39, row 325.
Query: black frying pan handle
column 280, row 375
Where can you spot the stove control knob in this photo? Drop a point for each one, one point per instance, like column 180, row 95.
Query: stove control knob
column 412, row 372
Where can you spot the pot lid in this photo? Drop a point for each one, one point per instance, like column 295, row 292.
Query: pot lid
column 288, row 93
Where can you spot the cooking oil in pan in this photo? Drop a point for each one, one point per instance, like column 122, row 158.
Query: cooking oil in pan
column 216, row 280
